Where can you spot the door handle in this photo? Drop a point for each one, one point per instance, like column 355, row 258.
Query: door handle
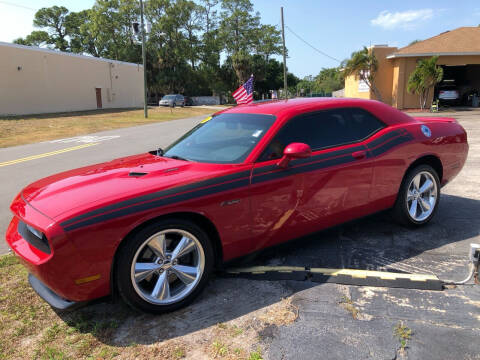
column 362, row 154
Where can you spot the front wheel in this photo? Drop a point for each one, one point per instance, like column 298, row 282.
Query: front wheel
column 164, row 266
column 419, row 196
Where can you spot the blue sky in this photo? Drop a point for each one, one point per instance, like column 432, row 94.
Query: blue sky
column 332, row 27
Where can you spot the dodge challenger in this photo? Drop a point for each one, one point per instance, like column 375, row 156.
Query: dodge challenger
column 152, row 227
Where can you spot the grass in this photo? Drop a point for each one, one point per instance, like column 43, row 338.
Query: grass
column 30, row 329
column 219, row 349
column 403, row 333
column 21, row 130
column 255, row 355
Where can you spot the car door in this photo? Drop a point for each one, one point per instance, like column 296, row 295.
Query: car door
column 330, row 187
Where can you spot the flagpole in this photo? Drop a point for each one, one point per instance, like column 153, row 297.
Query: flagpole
column 284, row 56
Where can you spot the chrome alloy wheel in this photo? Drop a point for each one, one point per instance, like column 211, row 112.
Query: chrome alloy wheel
column 421, row 196
column 167, row 267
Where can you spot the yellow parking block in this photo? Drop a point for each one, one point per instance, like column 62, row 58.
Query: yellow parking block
column 370, row 273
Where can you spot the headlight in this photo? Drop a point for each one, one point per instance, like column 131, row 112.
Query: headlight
column 34, row 231
column 34, row 237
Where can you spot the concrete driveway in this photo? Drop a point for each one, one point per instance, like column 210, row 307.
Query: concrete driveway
column 334, row 321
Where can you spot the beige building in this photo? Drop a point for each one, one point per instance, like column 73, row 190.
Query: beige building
column 458, row 54
column 36, row 80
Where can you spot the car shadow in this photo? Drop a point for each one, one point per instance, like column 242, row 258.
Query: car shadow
column 372, row 243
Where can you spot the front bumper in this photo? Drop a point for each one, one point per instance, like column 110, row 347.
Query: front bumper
column 54, row 300
column 64, row 271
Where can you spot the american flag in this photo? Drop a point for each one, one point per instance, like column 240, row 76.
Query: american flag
column 244, row 94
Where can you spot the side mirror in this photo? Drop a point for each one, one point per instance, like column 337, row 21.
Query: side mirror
column 294, row 151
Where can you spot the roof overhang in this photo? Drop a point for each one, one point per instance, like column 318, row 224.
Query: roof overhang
column 396, row 56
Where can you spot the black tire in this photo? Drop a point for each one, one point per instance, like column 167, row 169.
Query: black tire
column 174, row 104
column 400, row 210
column 126, row 255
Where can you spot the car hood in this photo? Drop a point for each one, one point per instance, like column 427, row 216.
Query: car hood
column 73, row 192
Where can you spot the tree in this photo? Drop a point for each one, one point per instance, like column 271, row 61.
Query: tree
column 192, row 25
column 82, row 39
column 110, row 28
column 183, row 48
column 364, row 65
column 53, row 20
column 35, row 38
column 238, row 32
column 329, row 80
column 425, row 76
column 269, row 41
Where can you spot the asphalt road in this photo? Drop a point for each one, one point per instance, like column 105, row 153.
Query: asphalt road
column 21, row 165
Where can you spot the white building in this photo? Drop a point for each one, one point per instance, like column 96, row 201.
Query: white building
column 35, row 80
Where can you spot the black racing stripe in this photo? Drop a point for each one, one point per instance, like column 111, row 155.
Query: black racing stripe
column 329, row 155
column 240, row 179
column 302, row 169
column 332, row 159
column 158, row 203
column 383, row 138
column 157, row 194
column 268, row 168
column 391, row 144
column 264, row 169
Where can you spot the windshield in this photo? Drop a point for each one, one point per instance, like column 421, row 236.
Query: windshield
column 168, row 97
column 225, row 138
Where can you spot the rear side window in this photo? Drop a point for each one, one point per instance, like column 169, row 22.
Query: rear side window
column 324, row 129
column 363, row 124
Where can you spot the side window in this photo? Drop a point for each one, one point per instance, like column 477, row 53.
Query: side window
column 323, row 129
column 363, row 124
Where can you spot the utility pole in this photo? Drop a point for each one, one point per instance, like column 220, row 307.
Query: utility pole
column 144, row 58
column 284, row 57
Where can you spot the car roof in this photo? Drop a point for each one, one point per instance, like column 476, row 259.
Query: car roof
column 292, row 107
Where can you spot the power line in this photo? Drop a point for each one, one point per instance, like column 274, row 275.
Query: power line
column 16, row 5
column 313, row 47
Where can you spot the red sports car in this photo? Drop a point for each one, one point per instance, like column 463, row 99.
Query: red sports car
column 153, row 226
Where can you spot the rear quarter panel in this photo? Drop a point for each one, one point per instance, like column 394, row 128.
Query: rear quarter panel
column 448, row 143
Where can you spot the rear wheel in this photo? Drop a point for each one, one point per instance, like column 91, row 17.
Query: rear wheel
column 419, row 195
column 165, row 266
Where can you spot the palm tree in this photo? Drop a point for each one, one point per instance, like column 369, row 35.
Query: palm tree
column 363, row 64
column 425, row 76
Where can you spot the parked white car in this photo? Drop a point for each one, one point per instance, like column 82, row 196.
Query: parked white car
column 172, row 100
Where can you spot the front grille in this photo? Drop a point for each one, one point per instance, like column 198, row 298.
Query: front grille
column 40, row 243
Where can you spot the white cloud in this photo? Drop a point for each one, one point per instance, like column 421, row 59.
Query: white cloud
column 404, row 19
